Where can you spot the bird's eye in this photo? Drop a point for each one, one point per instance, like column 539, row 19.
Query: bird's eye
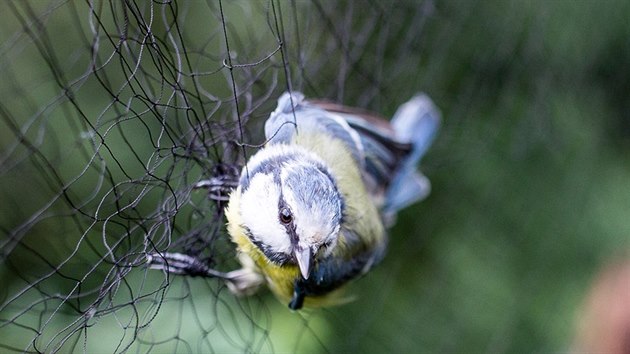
column 285, row 216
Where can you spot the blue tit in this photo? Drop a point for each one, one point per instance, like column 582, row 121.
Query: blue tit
column 311, row 208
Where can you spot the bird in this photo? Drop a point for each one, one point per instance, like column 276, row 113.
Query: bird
column 312, row 207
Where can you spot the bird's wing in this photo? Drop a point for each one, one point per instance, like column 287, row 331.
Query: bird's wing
column 383, row 153
column 392, row 151
column 370, row 139
column 294, row 114
column 386, row 153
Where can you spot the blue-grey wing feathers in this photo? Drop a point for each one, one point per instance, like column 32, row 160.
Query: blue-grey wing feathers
column 294, row 114
column 387, row 154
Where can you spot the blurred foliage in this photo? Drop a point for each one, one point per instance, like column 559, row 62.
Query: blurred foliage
column 529, row 175
column 530, row 184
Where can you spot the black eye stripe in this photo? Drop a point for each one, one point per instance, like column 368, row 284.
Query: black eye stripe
column 285, row 215
column 287, row 219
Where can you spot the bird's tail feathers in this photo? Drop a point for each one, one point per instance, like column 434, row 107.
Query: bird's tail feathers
column 416, row 122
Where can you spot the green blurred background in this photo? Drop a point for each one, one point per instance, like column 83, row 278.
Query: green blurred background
column 530, row 176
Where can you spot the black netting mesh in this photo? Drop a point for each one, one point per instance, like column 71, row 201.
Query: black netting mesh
column 112, row 111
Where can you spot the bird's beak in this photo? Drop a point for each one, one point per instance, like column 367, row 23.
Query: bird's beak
column 303, row 257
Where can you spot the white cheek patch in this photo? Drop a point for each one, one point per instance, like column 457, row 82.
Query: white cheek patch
column 259, row 211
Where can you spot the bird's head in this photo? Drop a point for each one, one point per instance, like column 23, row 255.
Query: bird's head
column 290, row 206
